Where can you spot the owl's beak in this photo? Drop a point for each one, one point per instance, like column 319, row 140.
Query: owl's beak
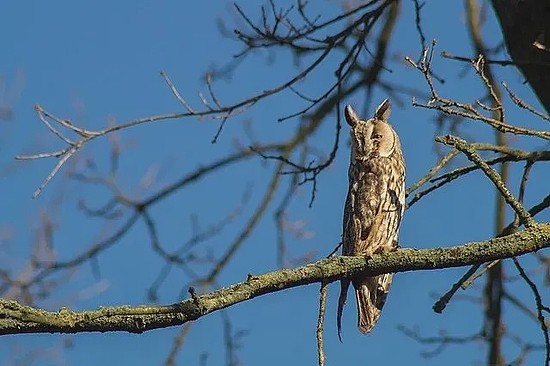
column 351, row 116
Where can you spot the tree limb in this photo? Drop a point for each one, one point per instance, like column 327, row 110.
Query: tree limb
column 16, row 318
column 526, row 31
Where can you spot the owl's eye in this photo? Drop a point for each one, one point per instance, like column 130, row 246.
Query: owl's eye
column 376, row 136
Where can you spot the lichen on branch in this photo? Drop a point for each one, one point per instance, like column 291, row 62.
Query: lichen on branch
column 16, row 318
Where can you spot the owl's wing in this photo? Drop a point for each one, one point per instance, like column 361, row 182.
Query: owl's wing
column 360, row 212
column 366, row 201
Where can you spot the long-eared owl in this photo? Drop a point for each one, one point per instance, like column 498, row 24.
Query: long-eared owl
column 373, row 209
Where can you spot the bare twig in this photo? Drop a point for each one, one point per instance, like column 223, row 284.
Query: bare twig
column 539, row 304
column 440, row 304
column 320, row 322
column 522, row 104
column 441, row 341
column 466, row 280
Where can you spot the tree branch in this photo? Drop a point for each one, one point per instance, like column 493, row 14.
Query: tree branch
column 16, row 318
column 526, row 32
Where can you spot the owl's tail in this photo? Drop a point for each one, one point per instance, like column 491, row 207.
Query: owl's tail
column 371, row 293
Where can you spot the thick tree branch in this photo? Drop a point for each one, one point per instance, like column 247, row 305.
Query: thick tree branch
column 526, row 31
column 16, row 318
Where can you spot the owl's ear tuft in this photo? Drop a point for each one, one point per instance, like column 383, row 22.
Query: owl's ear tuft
column 351, row 116
column 383, row 111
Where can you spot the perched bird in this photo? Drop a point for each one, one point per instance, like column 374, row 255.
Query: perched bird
column 374, row 207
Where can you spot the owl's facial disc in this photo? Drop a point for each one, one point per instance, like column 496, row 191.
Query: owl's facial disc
column 362, row 143
column 383, row 138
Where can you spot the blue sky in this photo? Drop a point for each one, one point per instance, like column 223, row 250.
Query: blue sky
column 98, row 62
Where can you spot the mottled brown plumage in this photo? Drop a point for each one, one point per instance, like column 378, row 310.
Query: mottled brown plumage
column 374, row 207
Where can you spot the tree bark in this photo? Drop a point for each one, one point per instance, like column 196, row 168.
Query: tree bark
column 526, row 28
column 16, row 318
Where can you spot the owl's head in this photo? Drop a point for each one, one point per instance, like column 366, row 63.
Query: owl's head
column 374, row 137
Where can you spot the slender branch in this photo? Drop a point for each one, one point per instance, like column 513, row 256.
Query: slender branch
column 540, row 306
column 320, row 324
column 440, row 304
column 441, row 342
column 468, row 278
column 471, row 154
column 522, row 104
column 433, row 171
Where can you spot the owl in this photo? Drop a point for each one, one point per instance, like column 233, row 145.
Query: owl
column 373, row 209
